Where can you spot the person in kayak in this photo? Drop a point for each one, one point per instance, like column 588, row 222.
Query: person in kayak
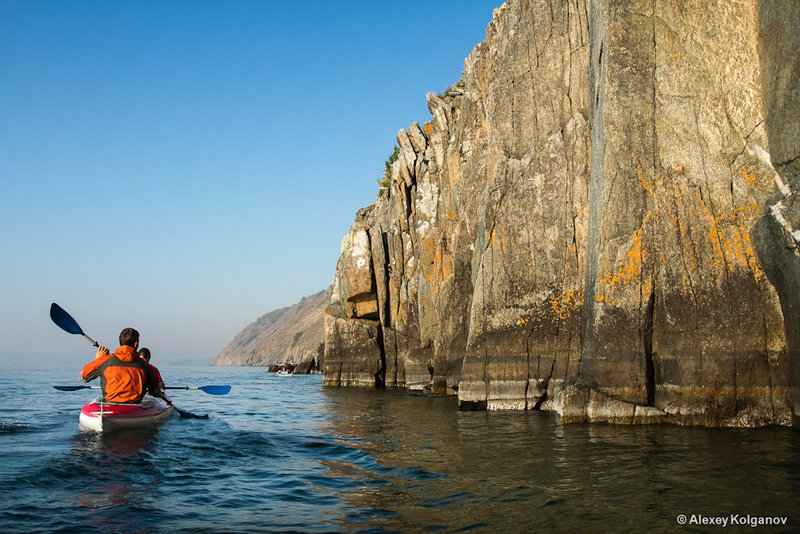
column 124, row 376
column 144, row 354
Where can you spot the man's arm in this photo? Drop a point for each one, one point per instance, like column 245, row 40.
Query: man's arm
column 91, row 370
column 155, row 384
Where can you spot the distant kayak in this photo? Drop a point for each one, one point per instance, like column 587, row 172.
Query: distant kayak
column 284, row 372
column 102, row 416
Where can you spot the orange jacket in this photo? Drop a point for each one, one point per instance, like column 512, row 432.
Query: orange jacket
column 124, row 377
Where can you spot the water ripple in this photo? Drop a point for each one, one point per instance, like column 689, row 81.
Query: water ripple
column 14, row 428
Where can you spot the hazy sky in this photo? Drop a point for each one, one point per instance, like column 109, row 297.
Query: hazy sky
column 185, row 167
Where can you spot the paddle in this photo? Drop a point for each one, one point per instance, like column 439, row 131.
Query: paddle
column 65, row 321
column 188, row 415
column 74, row 388
column 212, row 390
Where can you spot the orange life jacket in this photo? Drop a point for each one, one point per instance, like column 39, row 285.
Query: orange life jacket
column 124, row 377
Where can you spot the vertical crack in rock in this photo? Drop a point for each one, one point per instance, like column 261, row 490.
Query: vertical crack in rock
column 769, row 365
column 384, row 307
column 598, row 26
column 654, row 95
column 650, row 379
column 545, row 387
column 380, row 374
column 529, row 374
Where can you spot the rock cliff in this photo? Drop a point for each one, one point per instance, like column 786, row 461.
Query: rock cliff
column 598, row 220
column 289, row 335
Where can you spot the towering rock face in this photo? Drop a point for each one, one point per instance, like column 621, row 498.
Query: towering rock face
column 592, row 222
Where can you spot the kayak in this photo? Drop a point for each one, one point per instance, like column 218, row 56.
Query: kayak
column 102, row 416
column 284, row 373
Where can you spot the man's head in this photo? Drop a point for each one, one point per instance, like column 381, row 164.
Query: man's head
column 145, row 354
column 129, row 337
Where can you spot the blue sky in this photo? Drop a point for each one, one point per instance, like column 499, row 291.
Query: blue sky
column 185, row 167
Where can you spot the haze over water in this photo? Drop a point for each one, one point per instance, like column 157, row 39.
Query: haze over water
column 286, row 454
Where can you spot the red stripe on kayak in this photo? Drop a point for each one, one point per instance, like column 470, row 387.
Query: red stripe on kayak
column 120, row 410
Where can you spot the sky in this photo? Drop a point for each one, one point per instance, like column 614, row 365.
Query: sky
column 186, row 167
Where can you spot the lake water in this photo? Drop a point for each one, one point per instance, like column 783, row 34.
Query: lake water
column 287, row 455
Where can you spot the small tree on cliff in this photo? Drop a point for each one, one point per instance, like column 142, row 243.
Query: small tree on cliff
column 386, row 181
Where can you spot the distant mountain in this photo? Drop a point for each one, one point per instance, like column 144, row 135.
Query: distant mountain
column 281, row 336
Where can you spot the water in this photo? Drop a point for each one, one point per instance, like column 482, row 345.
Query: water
column 286, row 455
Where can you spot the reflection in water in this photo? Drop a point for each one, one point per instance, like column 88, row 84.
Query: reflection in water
column 122, row 444
column 118, row 466
column 443, row 470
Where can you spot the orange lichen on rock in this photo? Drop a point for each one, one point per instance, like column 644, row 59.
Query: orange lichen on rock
column 710, row 247
column 716, row 245
column 630, row 270
column 564, row 304
column 436, row 260
column 749, row 177
column 648, row 182
column 733, row 232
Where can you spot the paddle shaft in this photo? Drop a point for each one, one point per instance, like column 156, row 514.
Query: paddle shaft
column 92, row 341
column 211, row 390
column 76, row 388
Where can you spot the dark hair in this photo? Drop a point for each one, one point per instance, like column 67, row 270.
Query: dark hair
column 128, row 337
column 145, row 354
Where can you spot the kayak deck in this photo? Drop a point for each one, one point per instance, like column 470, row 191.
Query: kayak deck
column 102, row 416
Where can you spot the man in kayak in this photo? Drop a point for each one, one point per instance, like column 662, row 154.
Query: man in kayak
column 160, row 391
column 124, row 376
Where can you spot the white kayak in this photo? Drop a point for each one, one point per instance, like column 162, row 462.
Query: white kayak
column 102, row 416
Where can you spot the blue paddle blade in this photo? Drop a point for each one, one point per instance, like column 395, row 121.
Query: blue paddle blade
column 71, row 388
column 216, row 390
column 64, row 320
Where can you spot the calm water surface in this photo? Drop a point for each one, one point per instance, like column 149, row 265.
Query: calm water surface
column 286, row 455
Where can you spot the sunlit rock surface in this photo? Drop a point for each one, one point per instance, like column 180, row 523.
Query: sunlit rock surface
column 599, row 220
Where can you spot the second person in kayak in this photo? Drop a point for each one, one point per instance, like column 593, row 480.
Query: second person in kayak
column 160, row 391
